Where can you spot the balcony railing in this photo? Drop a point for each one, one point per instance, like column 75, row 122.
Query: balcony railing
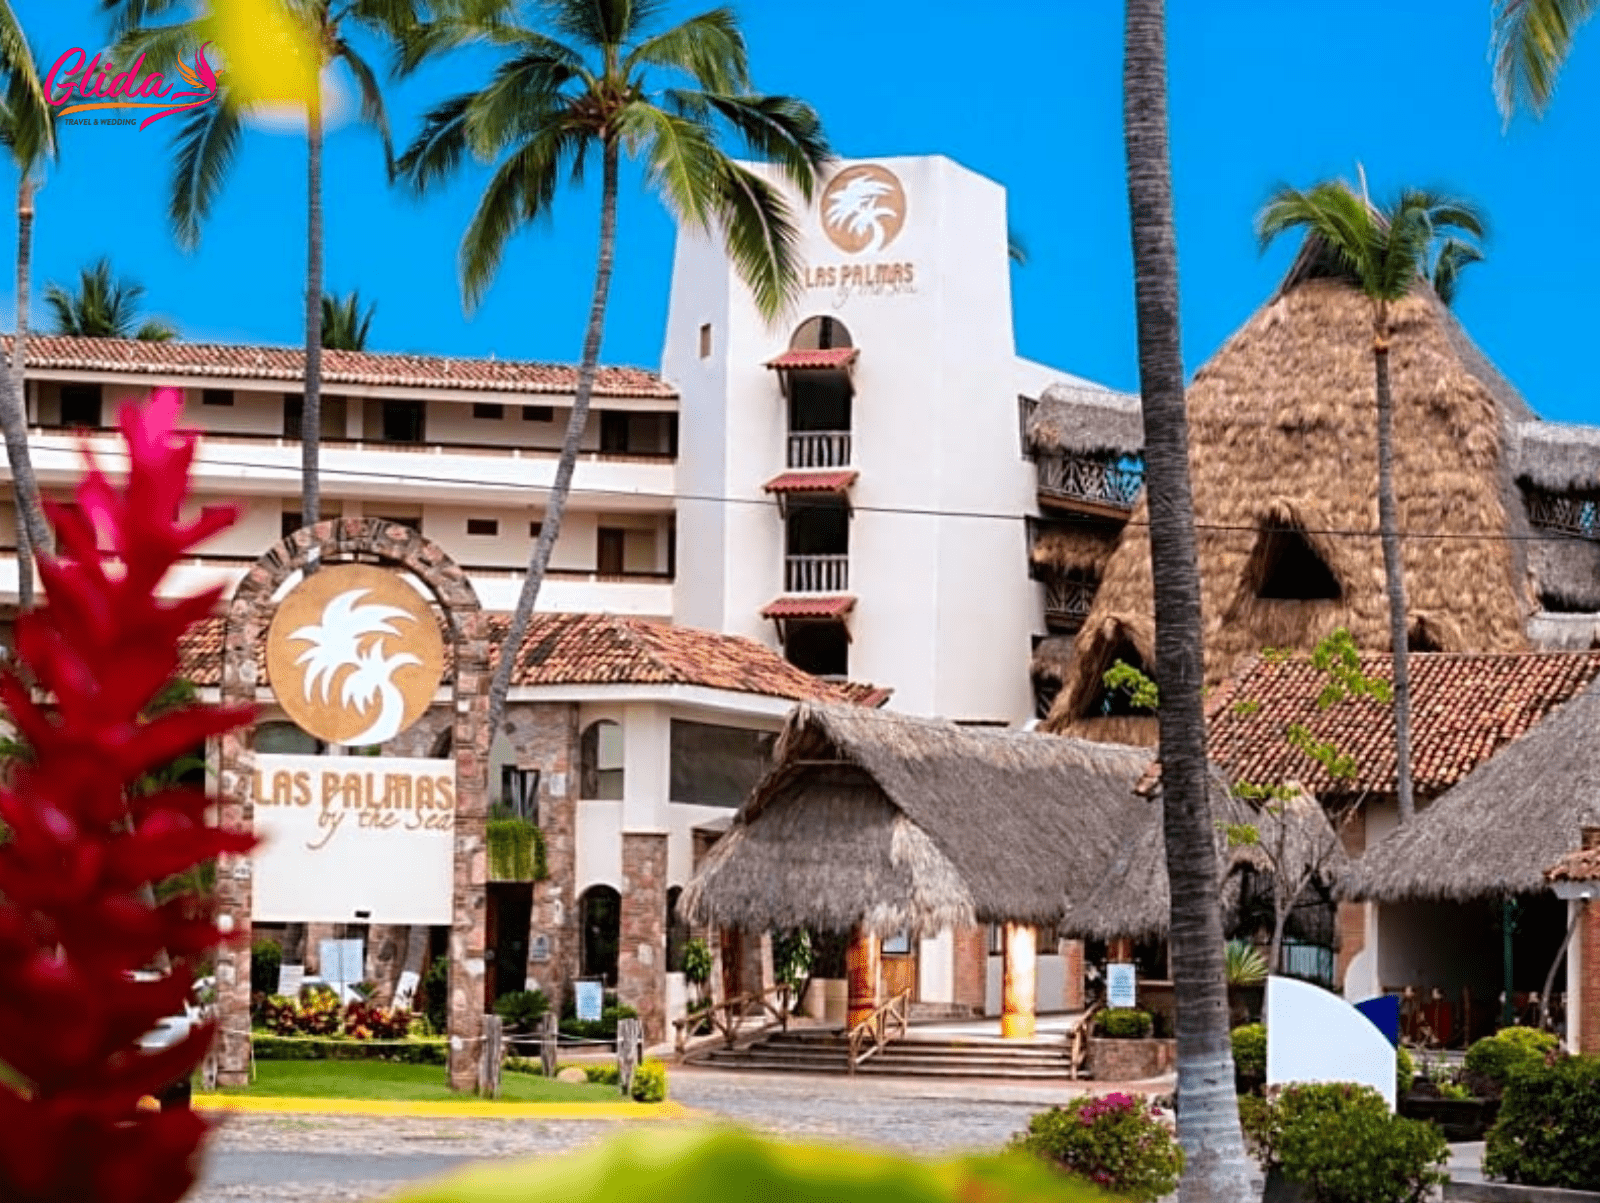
column 816, row 574
column 1082, row 478
column 1569, row 513
column 1067, row 602
column 819, row 449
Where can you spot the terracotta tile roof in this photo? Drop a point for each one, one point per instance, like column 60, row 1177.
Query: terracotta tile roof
column 1582, row 865
column 605, row 649
column 1465, row 707
column 229, row 361
column 799, row 361
column 809, row 607
column 835, row 481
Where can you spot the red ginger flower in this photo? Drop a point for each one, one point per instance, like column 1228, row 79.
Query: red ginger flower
column 81, row 847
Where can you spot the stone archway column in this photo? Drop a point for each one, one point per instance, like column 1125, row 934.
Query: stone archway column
column 1019, row 986
column 470, row 899
column 861, row 968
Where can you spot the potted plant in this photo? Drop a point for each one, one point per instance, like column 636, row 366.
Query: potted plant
column 1123, row 1048
column 696, row 971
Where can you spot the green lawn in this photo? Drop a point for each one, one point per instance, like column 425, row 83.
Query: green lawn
column 387, row 1080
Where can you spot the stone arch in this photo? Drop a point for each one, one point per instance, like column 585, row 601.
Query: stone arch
column 466, row 632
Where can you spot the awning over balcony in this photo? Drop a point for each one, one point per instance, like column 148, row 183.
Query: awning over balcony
column 834, row 481
column 830, row 359
column 819, row 607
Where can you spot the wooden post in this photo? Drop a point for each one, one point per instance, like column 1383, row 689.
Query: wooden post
column 1019, row 983
column 630, row 1051
column 493, row 1051
column 547, row 1045
column 861, row 968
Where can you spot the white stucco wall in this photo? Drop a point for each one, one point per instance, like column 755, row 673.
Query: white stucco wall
column 936, row 968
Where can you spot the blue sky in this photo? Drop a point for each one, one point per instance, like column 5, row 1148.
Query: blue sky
column 1027, row 93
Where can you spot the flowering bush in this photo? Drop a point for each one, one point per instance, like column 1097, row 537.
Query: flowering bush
column 1113, row 1140
column 317, row 1013
column 78, row 916
column 365, row 1021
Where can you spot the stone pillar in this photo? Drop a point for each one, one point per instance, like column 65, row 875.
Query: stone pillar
column 235, row 806
column 1072, row 963
column 642, row 944
column 1019, row 985
column 969, row 953
column 470, row 900
column 544, row 736
column 861, row 968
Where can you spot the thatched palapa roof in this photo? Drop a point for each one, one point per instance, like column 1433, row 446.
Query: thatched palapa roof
column 897, row 823
column 1282, row 426
column 1074, row 419
column 1074, row 547
column 1558, row 457
column 1495, row 834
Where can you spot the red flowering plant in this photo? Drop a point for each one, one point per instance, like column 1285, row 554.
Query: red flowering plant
column 82, row 847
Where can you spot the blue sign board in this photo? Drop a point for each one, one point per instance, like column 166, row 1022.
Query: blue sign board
column 589, row 1000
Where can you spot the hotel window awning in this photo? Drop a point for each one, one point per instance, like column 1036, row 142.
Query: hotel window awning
column 809, row 608
column 830, row 359
column 835, row 483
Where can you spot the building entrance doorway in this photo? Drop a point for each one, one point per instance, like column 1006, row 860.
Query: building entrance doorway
column 508, row 913
column 600, row 920
column 898, row 959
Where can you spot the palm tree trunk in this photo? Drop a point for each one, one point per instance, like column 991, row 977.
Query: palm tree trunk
column 1393, row 573
column 1215, row 1170
column 32, row 533
column 311, row 402
column 540, row 560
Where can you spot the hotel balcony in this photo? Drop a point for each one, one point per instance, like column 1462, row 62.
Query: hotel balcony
column 816, row 574
column 1089, row 485
column 461, row 472
column 1576, row 513
column 819, row 449
column 1067, row 601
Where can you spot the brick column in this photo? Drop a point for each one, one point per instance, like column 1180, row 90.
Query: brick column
column 969, row 953
column 642, row 945
column 469, row 904
column 1072, row 964
column 861, row 967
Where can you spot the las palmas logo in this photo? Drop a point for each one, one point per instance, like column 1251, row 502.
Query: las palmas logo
column 354, row 655
column 863, row 209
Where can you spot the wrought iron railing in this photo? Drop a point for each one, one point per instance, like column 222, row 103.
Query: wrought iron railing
column 1570, row 513
column 1067, row 601
column 819, row 449
column 816, row 574
column 1114, row 483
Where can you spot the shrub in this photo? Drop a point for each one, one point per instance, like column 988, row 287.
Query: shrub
column 1259, row 1120
column 1113, row 1140
column 436, row 994
column 516, row 848
column 697, row 961
column 1546, row 1134
column 604, row 1028
column 523, row 1009
column 1490, row 1061
column 266, row 957
column 1405, row 1071
column 1250, row 1050
column 364, row 1021
column 337, row 1048
column 1123, row 1023
column 649, row 1079
column 1342, row 1145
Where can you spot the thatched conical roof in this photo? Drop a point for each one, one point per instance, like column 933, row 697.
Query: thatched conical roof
column 1083, row 419
column 1282, row 426
column 1507, row 822
column 897, row 823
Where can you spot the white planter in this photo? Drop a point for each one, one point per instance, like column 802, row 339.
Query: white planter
column 836, row 999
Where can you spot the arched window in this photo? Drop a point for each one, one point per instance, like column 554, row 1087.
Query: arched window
column 600, row 762
column 825, row 333
column 286, row 739
column 600, row 922
column 677, row 931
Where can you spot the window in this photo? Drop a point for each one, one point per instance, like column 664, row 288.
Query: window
column 613, row 543
column 716, row 766
column 820, row 334
column 677, row 931
column 286, row 739
column 600, row 762
column 705, row 340
column 819, row 648
column 897, row 945
column 1287, row 568
column 414, row 521
column 403, row 421
column 614, row 432
column 519, row 791
column 535, row 529
column 81, row 406
column 600, row 921
column 483, row 526
column 222, row 397
column 489, row 410
column 538, row 413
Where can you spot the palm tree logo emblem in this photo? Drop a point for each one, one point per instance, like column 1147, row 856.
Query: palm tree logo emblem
column 354, row 655
column 863, row 209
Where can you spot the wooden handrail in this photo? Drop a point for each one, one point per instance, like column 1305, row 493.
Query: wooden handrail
column 726, row 1017
column 1078, row 1049
column 875, row 1027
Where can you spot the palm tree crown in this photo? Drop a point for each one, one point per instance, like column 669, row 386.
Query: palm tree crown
column 1531, row 41
column 104, row 306
column 1383, row 252
column 345, row 323
column 551, row 102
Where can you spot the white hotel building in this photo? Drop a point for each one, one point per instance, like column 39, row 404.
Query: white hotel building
column 848, row 486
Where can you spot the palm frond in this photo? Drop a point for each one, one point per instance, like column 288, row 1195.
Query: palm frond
column 130, row 14
column 439, row 146
column 1454, row 256
column 1529, row 43
column 27, row 125
column 206, row 144
column 521, row 190
column 59, row 302
column 489, row 21
column 16, row 60
column 156, row 331
column 602, row 23
column 708, row 48
column 761, row 238
column 682, row 161
column 103, row 306
column 163, row 47
column 373, row 111
column 344, row 325
column 522, row 98
column 781, row 130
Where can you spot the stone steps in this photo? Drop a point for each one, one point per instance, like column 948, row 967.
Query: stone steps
column 827, row 1052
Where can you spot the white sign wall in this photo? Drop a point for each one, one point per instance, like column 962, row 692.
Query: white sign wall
column 353, row 839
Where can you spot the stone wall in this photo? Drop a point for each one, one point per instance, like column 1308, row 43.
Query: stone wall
column 642, row 948
column 1351, row 918
column 969, row 955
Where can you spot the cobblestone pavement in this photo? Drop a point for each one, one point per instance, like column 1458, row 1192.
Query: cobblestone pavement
column 322, row 1159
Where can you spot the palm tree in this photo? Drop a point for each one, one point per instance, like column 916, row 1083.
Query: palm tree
column 1383, row 254
column 551, row 104
column 209, row 137
column 1215, row 1169
column 1529, row 44
column 1016, row 248
column 27, row 131
column 103, row 306
column 344, row 323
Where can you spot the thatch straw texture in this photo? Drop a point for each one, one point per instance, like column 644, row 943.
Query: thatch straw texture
column 898, row 823
column 1282, row 425
column 1078, row 420
column 1132, row 899
column 1557, row 457
column 1074, row 547
column 1566, row 571
column 1052, row 659
column 1496, row 833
